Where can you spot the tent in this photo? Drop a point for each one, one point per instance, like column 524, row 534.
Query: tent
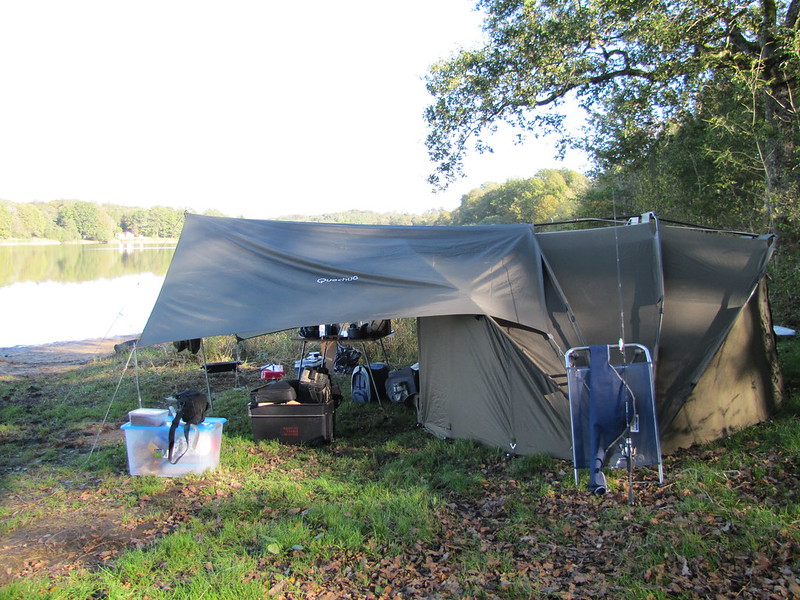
column 497, row 308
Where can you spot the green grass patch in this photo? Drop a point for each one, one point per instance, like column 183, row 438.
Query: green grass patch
column 384, row 510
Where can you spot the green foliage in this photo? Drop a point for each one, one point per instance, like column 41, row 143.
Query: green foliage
column 789, row 353
column 368, row 217
column 549, row 195
column 87, row 219
column 784, row 293
column 72, row 220
column 66, row 221
column 644, row 71
column 706, row 168
column 29, row 221
column 6, row 215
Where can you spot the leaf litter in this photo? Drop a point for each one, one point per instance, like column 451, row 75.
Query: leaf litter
column 571, row 544
column 502, row 540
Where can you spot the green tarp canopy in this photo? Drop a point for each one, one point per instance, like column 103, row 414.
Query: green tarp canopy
column 245, row 276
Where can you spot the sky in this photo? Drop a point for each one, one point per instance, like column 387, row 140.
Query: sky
column 255, row 108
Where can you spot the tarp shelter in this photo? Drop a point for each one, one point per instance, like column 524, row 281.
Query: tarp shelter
column 497, row 307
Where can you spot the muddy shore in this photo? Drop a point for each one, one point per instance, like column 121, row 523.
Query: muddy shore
column 46, row 359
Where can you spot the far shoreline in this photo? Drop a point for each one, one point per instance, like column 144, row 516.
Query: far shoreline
column 118, row 241
column 115, row 339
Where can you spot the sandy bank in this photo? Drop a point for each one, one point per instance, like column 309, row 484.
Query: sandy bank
column 55, row 358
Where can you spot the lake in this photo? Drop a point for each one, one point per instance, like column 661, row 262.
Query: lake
column 65, row 292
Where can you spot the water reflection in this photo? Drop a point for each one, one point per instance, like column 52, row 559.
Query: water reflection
column 66, row 292
column 49, row 311
column 79, row 262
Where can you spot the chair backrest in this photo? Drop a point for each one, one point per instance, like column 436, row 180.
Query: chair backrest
column 612, row 390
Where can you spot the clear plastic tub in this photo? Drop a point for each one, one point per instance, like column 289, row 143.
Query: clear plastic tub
column 148, row 448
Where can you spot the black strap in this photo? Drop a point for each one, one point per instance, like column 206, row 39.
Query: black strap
column 175, row 422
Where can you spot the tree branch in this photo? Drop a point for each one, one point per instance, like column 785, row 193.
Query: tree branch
column 741, row 43
column 594, row 80
column 792, row 20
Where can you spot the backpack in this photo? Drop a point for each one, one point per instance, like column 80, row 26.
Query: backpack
column 403, row 384
column 309, row 332
column 368, row 382
column 191, row 409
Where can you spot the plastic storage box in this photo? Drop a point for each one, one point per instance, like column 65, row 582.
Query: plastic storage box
column 272, row 372
column 148, row 447
column 292, row 422
column 149, row 417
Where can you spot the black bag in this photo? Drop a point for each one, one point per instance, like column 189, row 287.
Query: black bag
column 314, row 387
column 346, row 359
column 310, row 332
column 192, row 346
column 275, row 392
column 402, row 385
column 191, row 407
column 377, row 329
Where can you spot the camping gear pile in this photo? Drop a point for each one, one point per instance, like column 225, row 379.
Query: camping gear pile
column 498, row 308
column 295, row 411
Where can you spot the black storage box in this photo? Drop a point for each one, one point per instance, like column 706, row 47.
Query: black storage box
column 292, row 422
column 314, row 387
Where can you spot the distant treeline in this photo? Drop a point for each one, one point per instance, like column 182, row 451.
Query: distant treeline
column 550, row 194
column 71, row 220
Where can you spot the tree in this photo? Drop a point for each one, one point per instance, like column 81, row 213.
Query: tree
column 29, row 221
column 5, row 219
column 641, row 65
column 549, row 195
column 163, row 222
column 693, row 170
column 85, row 221
column 91, row 221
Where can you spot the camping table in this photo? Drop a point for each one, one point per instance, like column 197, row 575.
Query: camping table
column 340, row 338
column 224, row 367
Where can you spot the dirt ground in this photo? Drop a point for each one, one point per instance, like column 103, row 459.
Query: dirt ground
column 54, row 358
column 96, row 529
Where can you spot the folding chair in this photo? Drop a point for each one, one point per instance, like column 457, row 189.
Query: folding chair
column 612, row 411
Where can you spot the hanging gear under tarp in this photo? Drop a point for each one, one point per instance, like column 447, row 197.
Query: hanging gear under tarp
column 192, row 345
column 190, row 410
column 346, row 359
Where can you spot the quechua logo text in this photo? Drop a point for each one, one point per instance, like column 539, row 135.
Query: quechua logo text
column 337, row 279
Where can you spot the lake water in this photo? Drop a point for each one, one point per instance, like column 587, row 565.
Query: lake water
column 64, row 292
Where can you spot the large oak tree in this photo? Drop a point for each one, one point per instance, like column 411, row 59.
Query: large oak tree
column 641, row 65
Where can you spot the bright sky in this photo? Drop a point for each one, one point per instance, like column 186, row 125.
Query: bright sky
column 256, row 108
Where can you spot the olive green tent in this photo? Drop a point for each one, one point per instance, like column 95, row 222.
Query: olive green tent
column 498, row 306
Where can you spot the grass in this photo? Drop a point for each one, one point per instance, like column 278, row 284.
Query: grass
column 383, row 511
